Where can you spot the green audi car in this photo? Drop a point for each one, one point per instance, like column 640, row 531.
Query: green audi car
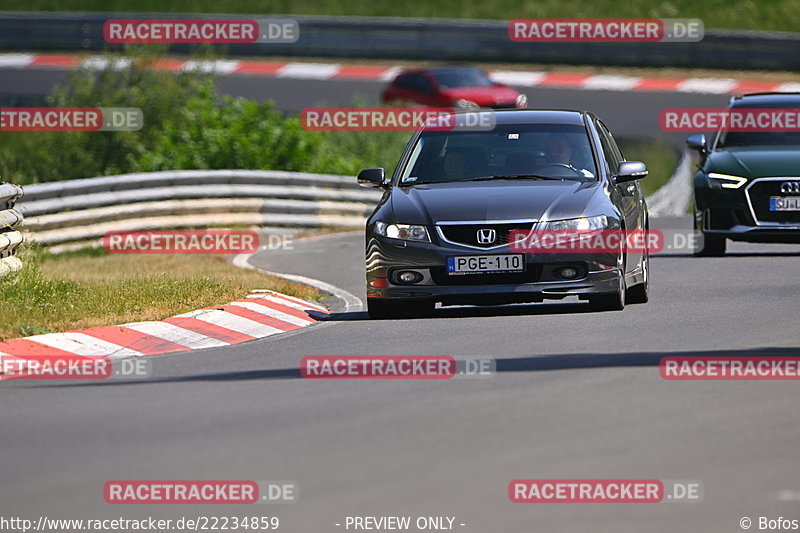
column 747, row 187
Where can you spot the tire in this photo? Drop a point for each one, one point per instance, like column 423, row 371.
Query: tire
column 640, row 293
column 613, row 301
column 384, row 309
column 711, row 246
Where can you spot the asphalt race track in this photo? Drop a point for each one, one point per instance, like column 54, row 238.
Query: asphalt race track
column 626, row 113
column 577, row 395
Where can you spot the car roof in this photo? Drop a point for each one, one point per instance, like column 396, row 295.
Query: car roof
column 766, row 99
column 536, row 116
column 435, row 70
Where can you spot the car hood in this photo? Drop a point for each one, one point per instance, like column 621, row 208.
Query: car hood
column 754, row 162
column 483, row 96
column 493, row 200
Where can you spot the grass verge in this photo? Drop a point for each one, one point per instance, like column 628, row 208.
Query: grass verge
column 92, row 288
column 660, row 157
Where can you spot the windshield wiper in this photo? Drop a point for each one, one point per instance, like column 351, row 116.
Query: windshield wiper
column 512, row 177
column 488, row 178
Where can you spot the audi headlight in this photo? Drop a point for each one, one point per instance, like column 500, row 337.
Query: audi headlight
column 725, row 181
column 406, row 232
column 578, row 224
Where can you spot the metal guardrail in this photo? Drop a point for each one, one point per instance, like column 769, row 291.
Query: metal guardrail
column 426, row 39
column 10, row 236
column 82, row 211
column 72, row 214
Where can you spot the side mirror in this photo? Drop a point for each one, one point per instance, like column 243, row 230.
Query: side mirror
column 697, row 142
column 371, row 177
column 629, row 171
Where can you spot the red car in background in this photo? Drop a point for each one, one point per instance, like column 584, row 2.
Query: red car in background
column 460, row 87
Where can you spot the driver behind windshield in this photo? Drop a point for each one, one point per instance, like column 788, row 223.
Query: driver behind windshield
column 455, row 164
column 558, row 151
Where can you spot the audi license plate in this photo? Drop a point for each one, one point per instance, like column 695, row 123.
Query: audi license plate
column 480, row 264
column 783, row 203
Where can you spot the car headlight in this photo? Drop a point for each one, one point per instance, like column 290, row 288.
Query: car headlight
column 466, row 105
column 406, row 232
column 522, row 100
column 577, row 224
column 725, row 181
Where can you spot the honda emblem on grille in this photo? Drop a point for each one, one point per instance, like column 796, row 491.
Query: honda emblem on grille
column 486, row 236
column 790, row 187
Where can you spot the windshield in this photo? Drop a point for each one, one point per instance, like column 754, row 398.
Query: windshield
column 727, row 139
column 463, row 77
column 534, row 151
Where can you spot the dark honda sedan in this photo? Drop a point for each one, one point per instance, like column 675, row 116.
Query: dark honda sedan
column 441, row 231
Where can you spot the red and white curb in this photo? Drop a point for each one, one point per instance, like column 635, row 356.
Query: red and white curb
column 261, row 314
column 327, row 71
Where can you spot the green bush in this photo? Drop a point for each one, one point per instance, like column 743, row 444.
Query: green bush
column 187, row 125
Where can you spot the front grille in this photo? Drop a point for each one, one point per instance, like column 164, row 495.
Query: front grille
column 532, row 274
column 759, row 194
column 467, row 234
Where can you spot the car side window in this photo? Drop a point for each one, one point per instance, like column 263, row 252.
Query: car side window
column 611, row 152
column 614, row 145
column 404, row 82
column 422, row 84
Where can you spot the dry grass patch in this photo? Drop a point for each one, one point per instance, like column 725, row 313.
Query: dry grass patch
column 91, row 288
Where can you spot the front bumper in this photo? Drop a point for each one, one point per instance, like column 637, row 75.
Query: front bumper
column 784, row 234
column 385, row 257
column 738, row 224
column 742, row 215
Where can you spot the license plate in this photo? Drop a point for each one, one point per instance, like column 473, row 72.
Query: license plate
column 476, row 264
column 783, row 203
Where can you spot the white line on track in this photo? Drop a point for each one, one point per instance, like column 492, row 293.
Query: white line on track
column 352, row 303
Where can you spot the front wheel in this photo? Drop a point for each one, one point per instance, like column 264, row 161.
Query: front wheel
column 640, row 293
column 614, row 301
column 710, row 246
